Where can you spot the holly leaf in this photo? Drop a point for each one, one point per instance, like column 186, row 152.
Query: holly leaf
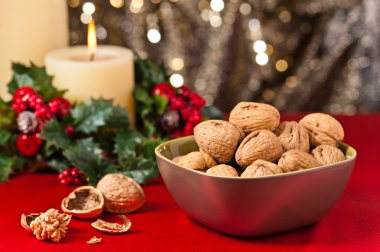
column 7, row 116
column 6, row 164
column 5, row 136
column 119, row 118
column 35, row 77
column 87, row 156
column 161, row 103
column 149, row 146
column 125, row 144
column 91, row 115
column 54, row 134
column 147, row 73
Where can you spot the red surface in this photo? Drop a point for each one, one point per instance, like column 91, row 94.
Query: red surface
column 352, row 225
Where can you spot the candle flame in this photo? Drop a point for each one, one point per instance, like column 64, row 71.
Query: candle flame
column 91, row 37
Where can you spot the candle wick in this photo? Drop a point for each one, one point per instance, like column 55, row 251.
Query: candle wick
column 92, row 56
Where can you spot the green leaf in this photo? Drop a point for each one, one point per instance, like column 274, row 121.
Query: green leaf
column 149, row 146
column 19, row 68
column 141, row 170
column 91, row 115
column 7, row 116
column 119, row 118
column 59, row 164
column 161, row 103
column 54, row 134
column 6, row 163
column 5, row 136
column 87, row 156
column 125, row 144
column 147, row 73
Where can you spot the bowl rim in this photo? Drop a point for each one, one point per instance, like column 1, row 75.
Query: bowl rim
column 318, row 168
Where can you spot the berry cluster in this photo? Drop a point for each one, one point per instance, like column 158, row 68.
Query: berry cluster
column 32, row 113
column 184, row 109
column 72, row 176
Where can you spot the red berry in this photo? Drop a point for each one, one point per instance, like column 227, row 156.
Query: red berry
column 176, row 102
column 63, row 182
column 66, row 172
column 75, row 173
column 163, row 89
column 177, row 133
column 34, row 100
column 69, row 180
column 23, row 93
column 60, row 106
column 61, row 176
column 77, row 181
column 195, row 117
column 185, row 113
column 27, row 145
column 184, row 91
column 197, row 100
column 188, row 129
column 42, row 112
column 70, row 130
column 37, row 138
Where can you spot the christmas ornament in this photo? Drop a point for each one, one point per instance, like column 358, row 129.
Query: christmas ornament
column 27, row 122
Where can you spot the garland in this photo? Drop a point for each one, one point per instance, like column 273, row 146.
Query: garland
column 39, row 128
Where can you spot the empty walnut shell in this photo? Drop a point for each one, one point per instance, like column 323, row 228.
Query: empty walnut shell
column 252, row 116
column 323, row 129
column 84, row 202
column 218, row 138
column 260, row 144
column 121, row 193
column 294, row 160
column 112, row 228
column 261, row 168
column 223, row 170
column 27, row 219
column 327, row 154
column 292, row 135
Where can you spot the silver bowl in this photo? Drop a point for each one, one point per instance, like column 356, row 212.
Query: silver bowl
column 250, row 207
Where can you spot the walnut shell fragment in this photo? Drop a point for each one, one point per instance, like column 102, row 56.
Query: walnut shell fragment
column 323, row 129
column 260, row 144
column 223, row 170
column 261, row 168
column 94, row 240
column 113, row 228
column 294, row 160
column 84, row 202
column 218, row 138
column 292, row 135
column 121, row 193
column 197, row 160
column 327, row 154
column 252, row 116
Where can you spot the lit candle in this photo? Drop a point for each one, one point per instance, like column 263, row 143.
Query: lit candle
column 93, row 72
column 28, row 30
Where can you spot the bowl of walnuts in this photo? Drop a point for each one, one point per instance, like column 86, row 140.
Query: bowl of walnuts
column 254, row 175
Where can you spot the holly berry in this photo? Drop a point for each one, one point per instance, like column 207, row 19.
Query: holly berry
column 23, row 93
column 19, row 106
column 34, row 100
column 42, row 111
column 28, row 145
column 197, row 100
column 188, row 129
column 72, row 176
column 176, row 102
column 195, row 117
column 60, row 106
column 70, row 130
column 163, row 89
column 184, row 91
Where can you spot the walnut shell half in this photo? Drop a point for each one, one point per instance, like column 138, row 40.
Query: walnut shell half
column 292, row 135
column 121, row 193
column 112, row 228
column 252, row 116
column 327, row 154
column 261, row 168
column 323, row 129
column 260, row 144
column 84, row 202
column 294, row 160
column 218, row 138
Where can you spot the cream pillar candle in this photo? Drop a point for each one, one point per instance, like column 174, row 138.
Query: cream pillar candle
column 109, row 75
column 28, row 30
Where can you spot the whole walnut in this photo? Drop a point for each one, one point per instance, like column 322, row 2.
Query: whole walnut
column 252, row 116
column 121, row 193
column 260, row 144
column 261, row 168
column 197, row 160
column 218, row 138
column 323, row 129
column 294, row 160
column 223, row 170
column 327, row 154
column 292, row 135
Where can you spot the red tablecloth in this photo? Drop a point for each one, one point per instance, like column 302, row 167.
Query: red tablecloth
column 352, row 225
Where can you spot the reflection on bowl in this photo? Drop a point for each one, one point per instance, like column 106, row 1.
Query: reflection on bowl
column 253, row 206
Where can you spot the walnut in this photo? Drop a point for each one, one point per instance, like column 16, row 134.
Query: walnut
column 292, row 135
column 223, row 170
column 251, row 116
column 327, row 154
column 208, row 159
column 121, row 193
column 218, row 138
column 261, row 168
column 112, row 228
column 84, row 202
column 260, row 144
column 323, row 129
column 51, row 225
column 294, row 160
column 193, row 160
column 176, row 159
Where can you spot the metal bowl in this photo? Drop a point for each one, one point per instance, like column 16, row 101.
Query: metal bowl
column 253, row 206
